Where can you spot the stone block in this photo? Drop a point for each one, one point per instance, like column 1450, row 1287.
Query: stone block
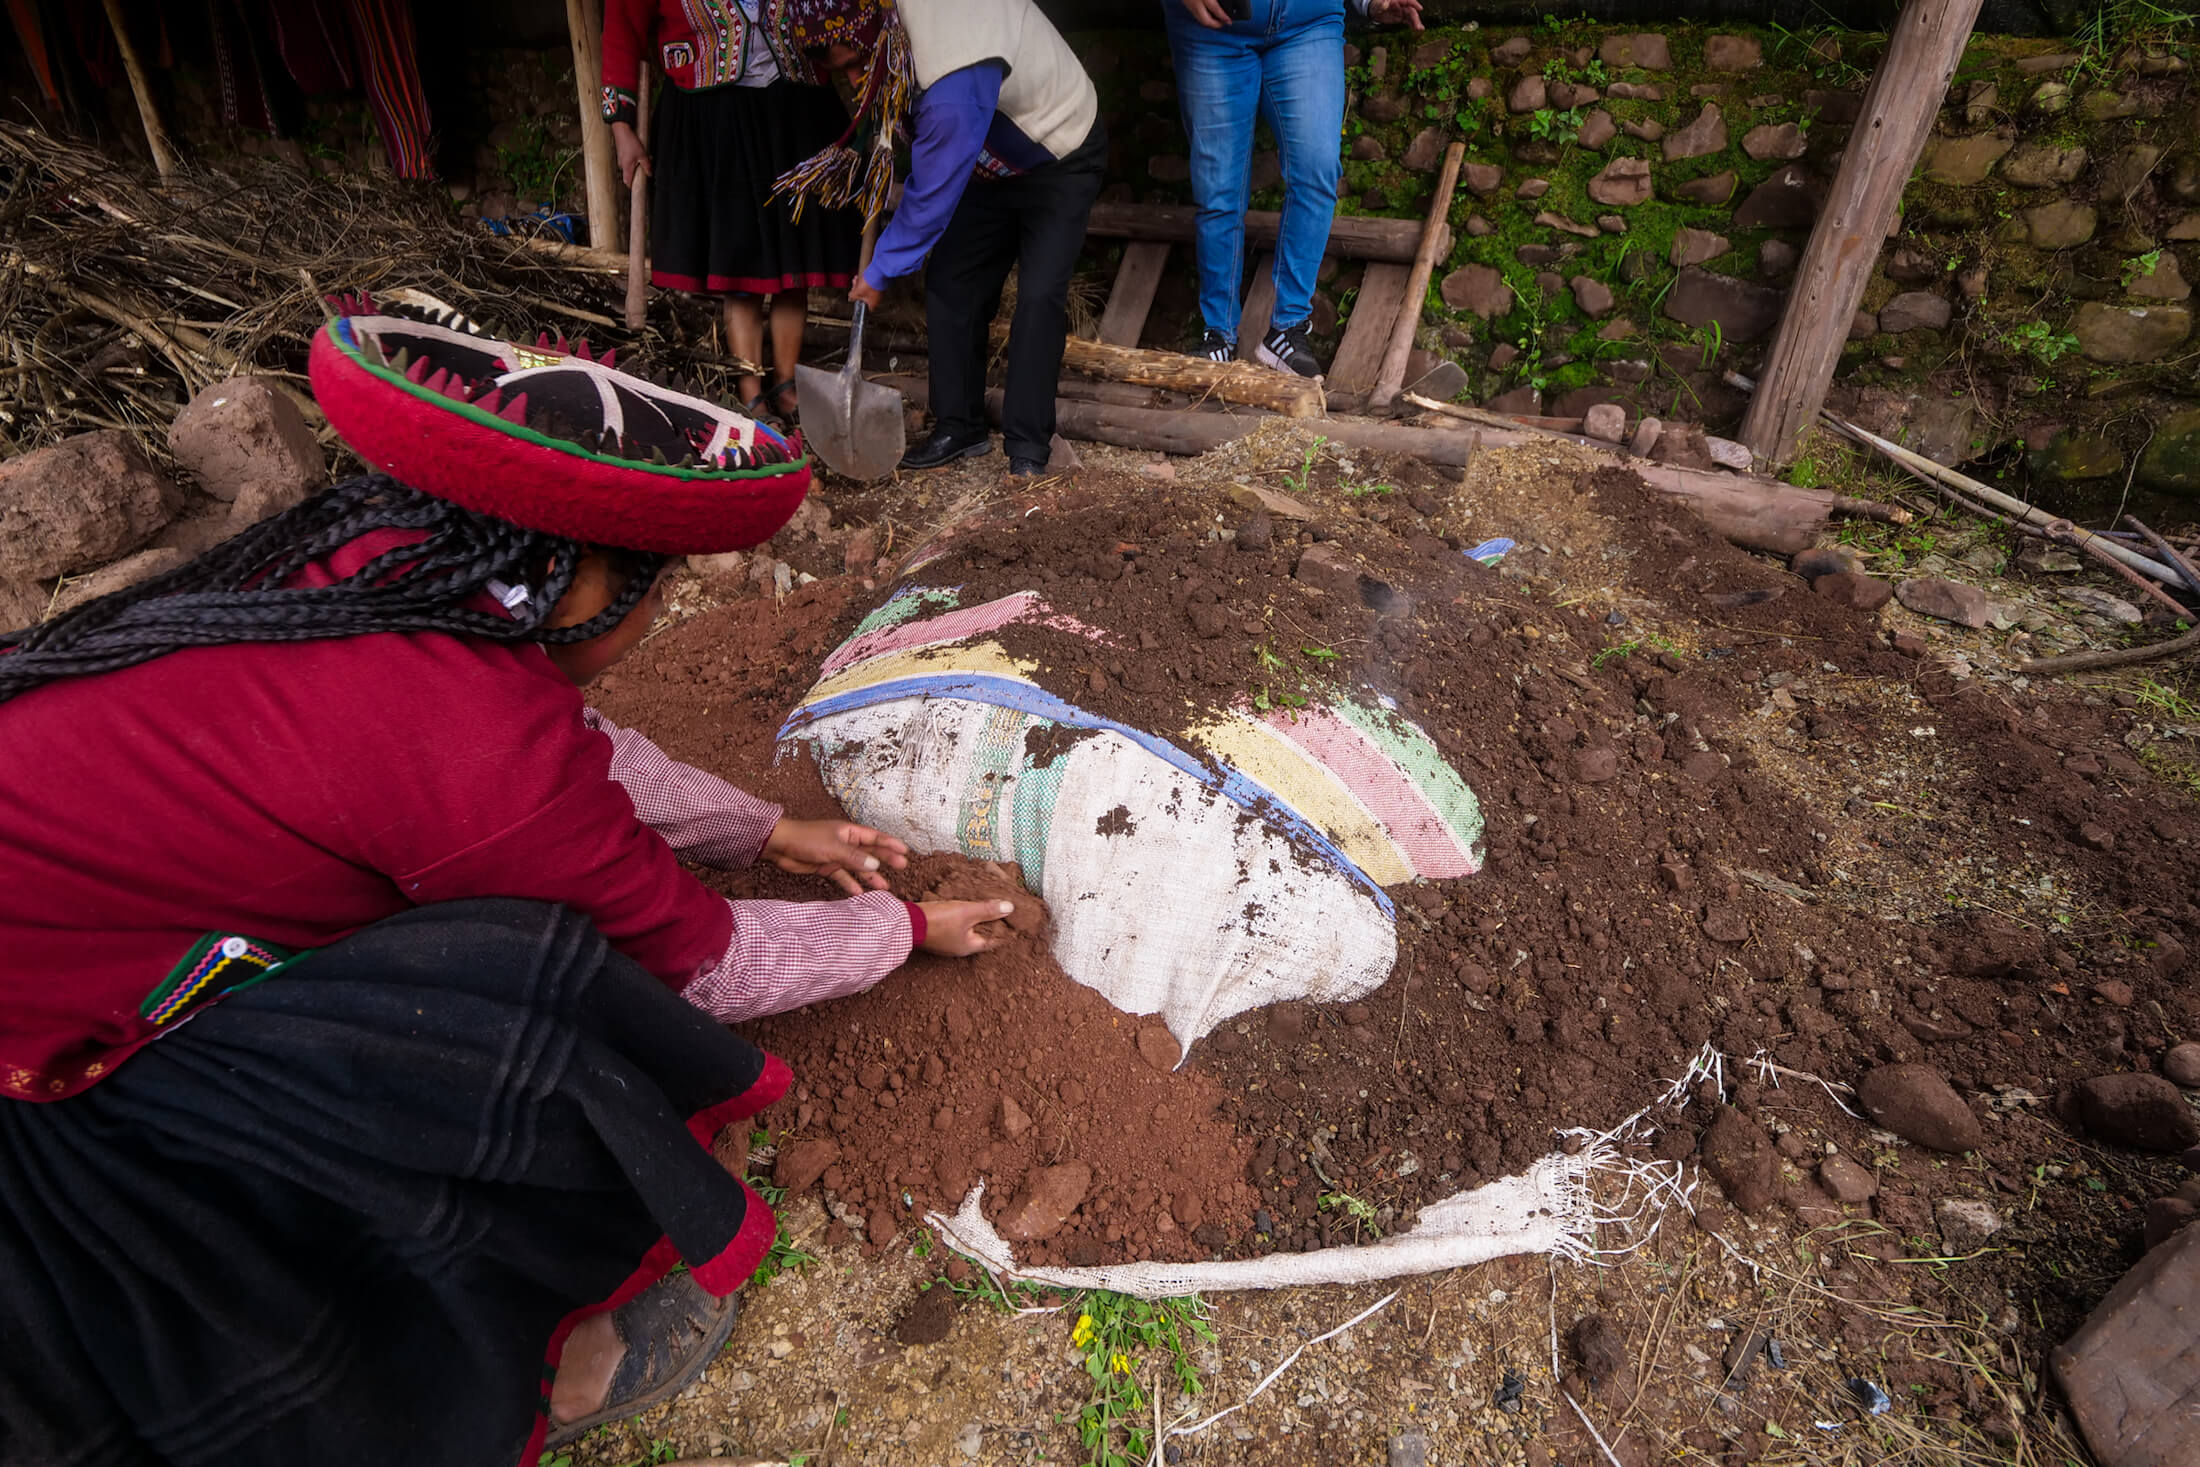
column 2132, row 1372
column 78, row 504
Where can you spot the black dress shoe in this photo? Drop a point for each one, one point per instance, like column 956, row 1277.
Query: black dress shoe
column 1025, row 468
column 944, row 448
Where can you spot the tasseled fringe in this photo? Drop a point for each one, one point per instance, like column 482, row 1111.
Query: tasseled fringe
column 837, row 177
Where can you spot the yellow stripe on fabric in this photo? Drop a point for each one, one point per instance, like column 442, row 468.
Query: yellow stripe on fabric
column 1319, row 797
column 985, row 658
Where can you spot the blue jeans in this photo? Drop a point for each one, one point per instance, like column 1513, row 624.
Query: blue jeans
column 1285, row 66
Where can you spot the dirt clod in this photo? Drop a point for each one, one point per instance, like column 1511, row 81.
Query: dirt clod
column 1917, row 1103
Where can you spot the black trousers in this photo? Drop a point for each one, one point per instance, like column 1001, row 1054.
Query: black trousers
column 1035, row 222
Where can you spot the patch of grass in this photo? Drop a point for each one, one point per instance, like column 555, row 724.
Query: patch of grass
column 1619, row 650
column 1297, row 483
column 1363, row 491
column 1117, row 1335
column 1270, row 689
column 1359, row 1209
column 2167, row 701
column 783, row 1255
column 535, row 163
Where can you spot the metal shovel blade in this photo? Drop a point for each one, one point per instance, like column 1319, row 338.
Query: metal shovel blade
column 855, row 426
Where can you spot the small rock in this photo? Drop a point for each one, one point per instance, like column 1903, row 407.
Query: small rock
column 1477, row 288
column 1595, row 766
column 2043, row 165
column 1776, row 258
column 1062, row 456
column 1444, row 381
column 1699, row 139
column 1915, row 1103
column 1853, row 588
column 1425, row 151
column 2145, row 1112
column 2164, row 281
column 970, row 1439
column 79, row 504
column 1409, row 1448
column 1710, row 191
column 1532, row 188
column 2062, row 225
column 1482, row 179
column 120, row 576
column 1741, row 1158
column 1947, row 601
column 1650, row 52
column 1789, row 198
column 1915, row 310
column 242, row 435
column 1158, row 1047
column 799, row 1164
column 1044, row 1206
column 1621, row 183
column 1744, row 311
column 1511, row 52
column 1728, row 454
column 1733, row 53
column 1597, row 129
column 1965, row 1223
column 1847, row 1181
column 1271, row 502
column 1529, row 94
column 1960, row 162
column 1646, row 437
column 1695, row 246
column 1010, row 1119
column 2165, row 1216
column 2181, row 1065
column 1593, row 296
column 1605, row 420
column 1774, row 141
column 1602, row 1350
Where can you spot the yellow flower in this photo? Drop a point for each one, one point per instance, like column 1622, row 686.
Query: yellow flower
column 1120, row 1363
column 1082, row 1335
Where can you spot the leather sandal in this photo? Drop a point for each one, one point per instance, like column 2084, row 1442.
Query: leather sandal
column 671, row 1331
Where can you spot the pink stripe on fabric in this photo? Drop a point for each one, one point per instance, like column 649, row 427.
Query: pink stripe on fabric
column 1407, row 814
column 954, row 626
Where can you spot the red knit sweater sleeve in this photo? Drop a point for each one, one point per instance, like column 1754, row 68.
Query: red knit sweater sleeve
column 512, row 795
column 628, row 29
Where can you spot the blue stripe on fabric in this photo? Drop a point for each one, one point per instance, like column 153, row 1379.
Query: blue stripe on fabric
column 1004, row 692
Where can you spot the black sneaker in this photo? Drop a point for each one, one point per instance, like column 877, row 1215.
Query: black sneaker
column 1020, row 467
column 1287, row 351
column 1216, row 347
column 944, row 447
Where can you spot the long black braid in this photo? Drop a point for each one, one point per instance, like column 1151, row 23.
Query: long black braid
column 235, row 592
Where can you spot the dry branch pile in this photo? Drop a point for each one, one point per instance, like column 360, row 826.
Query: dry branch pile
column 121, row 296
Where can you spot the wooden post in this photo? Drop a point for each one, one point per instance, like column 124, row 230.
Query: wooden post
column 1136, row 280
column 1897, row 116
column 1392, row 377
column 599, row 160
column 141, row 87
column 637, row 221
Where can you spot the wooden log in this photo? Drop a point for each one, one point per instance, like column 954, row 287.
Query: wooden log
column 1136, row 280
column 1757, row 514
column 165, row 159
column 1906, row 94
column 1281, row 392
column 599, row 159
column 1392, row 377
column 1352, row 237
column 573, row 256
column 1368, row 329
column 1260, row 305
column 637, row 219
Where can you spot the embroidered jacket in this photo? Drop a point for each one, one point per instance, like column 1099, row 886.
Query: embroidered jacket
column 287, row 795
column 698, row 43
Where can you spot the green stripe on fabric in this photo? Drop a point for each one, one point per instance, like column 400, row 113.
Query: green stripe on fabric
column 999, row 754
column 1033, row 822
column 1418, row 757
column 905, row 606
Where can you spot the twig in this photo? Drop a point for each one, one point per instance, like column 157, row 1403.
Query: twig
column 2167, row 551
column 2119, row 657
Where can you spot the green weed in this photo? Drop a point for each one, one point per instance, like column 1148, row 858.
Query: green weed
column 1297, row 483
column 2138, row 267
column 1359, row 1209
column 783, row 1255
column 2036, row 339
column 1116, row 1333
column 2167, row 701
column 1362, row 491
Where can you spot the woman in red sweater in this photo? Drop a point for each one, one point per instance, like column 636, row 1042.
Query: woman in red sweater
column 361, row 1036
column 744, row 105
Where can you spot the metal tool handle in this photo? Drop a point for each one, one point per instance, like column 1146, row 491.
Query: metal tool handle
column 853, row 367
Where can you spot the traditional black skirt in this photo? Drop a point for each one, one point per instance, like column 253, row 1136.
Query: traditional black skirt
column 350, row 1215
column 713, row 223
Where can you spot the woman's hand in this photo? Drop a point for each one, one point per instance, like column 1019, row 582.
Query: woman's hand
column 632, row 154
column 951, row 928
column 1209, row 13
column 849, row 855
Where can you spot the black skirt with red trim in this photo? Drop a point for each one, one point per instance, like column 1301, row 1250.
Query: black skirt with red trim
column 713, row 223
column 349, row 1216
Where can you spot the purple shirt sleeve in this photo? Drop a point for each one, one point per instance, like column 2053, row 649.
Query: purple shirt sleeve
column 952, row 118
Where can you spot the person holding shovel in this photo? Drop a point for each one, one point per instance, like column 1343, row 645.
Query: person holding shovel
column 1006, row 157
column 361, row 1037
column 744, row 106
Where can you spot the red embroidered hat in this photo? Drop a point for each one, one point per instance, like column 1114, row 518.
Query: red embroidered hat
column 550, row 437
